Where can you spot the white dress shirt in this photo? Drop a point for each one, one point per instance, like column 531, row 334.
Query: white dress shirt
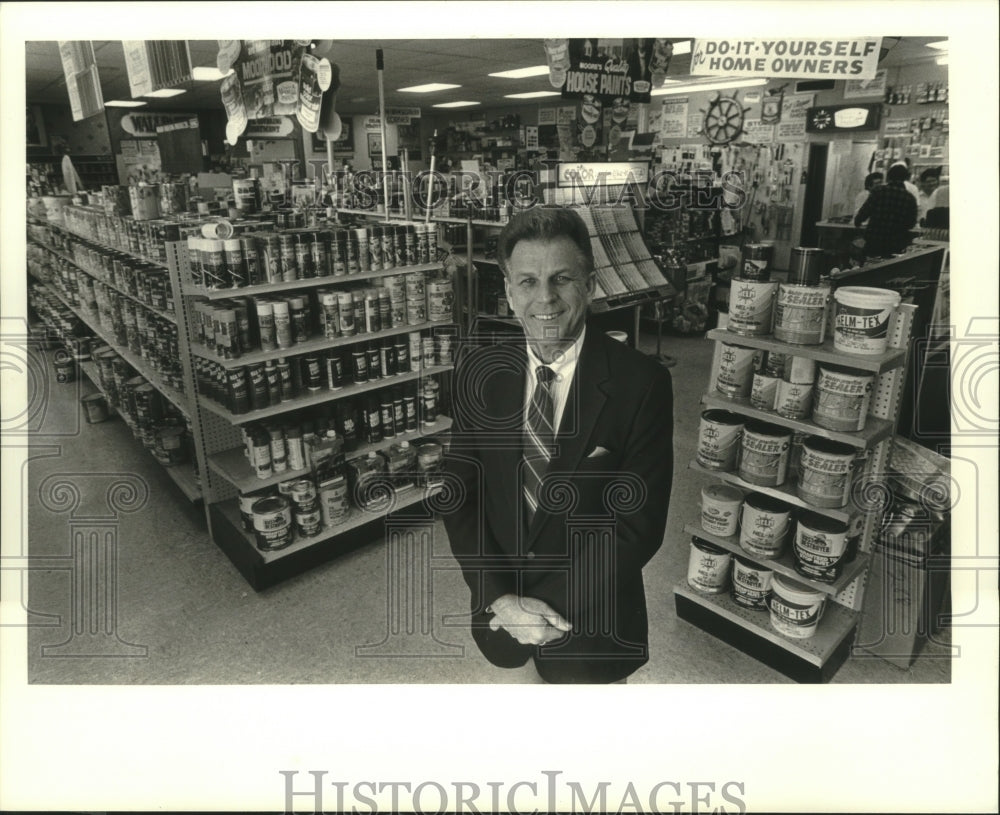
column 564, row 368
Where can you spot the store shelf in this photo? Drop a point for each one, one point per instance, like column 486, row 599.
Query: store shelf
column 879, row 363
column 312, row 346
column 99, row 244
column 166, row 315
column 786, row 563
column 875, row 429
column 233, row 466
column 355, row 517
column 809, row 660
column 181, row 474
column 319, row 397
column 785, row 492
column 478, row 258
column 305, row 283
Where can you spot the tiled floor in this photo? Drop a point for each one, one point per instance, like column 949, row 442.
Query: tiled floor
column 195, row 620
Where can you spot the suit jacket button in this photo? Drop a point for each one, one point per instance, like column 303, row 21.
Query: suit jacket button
column 530, row 555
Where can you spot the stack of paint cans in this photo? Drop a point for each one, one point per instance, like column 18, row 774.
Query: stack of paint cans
column 751, row 299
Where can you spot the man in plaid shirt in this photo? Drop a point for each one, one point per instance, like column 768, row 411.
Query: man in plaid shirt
column 891, row 213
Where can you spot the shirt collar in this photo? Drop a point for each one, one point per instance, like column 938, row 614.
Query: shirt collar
column 565, row 362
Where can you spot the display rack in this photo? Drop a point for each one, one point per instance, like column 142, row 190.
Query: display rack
column 182, row 474
column 817, row 658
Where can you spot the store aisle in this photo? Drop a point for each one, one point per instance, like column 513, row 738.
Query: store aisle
column 198, row 622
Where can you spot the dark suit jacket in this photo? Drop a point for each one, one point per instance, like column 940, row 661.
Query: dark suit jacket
column 601, row 517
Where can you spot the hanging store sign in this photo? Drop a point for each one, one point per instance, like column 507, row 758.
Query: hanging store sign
column 806, row 58
column 608, row 69
column 841, row 118
column 82, row 81
column 408, row 112
column 614, row 173
column 156, row 64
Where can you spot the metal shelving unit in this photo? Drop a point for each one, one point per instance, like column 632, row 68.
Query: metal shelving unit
column 817, row 658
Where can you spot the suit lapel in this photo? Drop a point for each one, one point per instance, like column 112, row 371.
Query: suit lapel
column 586, row 399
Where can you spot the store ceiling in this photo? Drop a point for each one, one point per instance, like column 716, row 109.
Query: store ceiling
column 464, row 62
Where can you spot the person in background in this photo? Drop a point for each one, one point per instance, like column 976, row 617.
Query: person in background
column 910, row 187
column 937, row 209
column 930, row 180
column 563, row 445
column 71, row 178
column 891, row 213
column 872, row 180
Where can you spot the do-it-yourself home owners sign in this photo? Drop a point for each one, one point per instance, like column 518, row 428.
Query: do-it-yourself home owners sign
column 805, row 58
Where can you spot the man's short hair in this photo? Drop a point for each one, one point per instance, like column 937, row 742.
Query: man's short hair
column 929, row 173
column 897, row 174
column 871, row 178
column 544, row 223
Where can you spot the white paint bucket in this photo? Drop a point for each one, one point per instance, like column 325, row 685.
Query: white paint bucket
column 862, row 319
column 734, row 375
column 719, row 440
column 764, row 454
column 764, row 525
column 708, row 567
column 720, row 509
column 795, row 609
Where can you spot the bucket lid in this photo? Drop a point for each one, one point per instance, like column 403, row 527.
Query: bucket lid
column 723, row 492
column 765, row 503
column 821, row 523
column 867, row 297
column 794, row 592
column 722, row 416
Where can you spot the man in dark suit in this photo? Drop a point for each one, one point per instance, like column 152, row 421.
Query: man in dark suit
column 563, row 442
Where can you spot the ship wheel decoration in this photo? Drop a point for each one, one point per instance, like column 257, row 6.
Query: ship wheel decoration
column 821, row 119
column 723, row 119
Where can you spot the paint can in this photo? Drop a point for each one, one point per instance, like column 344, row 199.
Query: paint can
column 755, row 261
column 807, row 266
column 718, row 440
column 333, row 502
column 708, row 567
column 861, row 324
column 751, row 307
column 793, row 400
column 795, row 609
column 842, row 398
column 95, row 408
column 764, row 454
column 272, row 523
column 800, row 314
column 734, row 375
column 720, row 509
column 751, row 583
column 764, row 525
column 825, row 471
column 764, row 391
column 65, row 367
column 820, row 546
column 440, row 300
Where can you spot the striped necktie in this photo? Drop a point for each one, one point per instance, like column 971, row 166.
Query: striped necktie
column 539, row 437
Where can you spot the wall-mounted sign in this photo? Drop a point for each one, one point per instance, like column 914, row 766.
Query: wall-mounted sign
column 897, row 127
column 613, row 173
column 840, row 118
column 270, row 127
column 408, row 112
column 808, row 58
column 144, row 125
column 873, row 88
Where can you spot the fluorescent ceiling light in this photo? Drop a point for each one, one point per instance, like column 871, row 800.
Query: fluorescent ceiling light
column 530, row 95
column 523, row 73
column 694, row 87
column 124, row 103
column 165, row 93
column 208, row 73
column 429, row 88
column 941, row 45
column 683, row 47
column 454, row 104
